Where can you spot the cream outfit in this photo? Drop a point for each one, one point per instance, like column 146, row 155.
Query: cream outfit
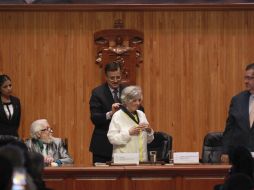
column 120, row 138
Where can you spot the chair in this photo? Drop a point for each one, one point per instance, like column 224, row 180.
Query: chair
column 162, row 143
column 212, row 147
column 65, row 143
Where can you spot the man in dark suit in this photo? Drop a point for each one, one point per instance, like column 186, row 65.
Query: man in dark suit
column 104, row 102
column 239, row 128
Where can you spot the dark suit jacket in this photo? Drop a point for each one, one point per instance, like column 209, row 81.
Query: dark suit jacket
column 100, row 103
column 10, row 127
column 237, row 131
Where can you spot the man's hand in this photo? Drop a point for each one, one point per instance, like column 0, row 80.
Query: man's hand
column 115, row 107
column 48, row 159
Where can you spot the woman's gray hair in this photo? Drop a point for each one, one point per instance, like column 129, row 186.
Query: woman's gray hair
column 131, row 93
column 37, row 126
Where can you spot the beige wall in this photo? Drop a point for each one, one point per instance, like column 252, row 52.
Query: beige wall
column 193, row 64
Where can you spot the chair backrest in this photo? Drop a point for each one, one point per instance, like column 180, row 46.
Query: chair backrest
column 212, row 147
column 65, row 143
column 162, row 143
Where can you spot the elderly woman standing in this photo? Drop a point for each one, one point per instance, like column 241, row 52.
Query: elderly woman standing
column 9, row 109
column 129, row 130
column 42, row 142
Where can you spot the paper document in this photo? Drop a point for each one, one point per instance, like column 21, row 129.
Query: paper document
column 126, row 158
column 186, row 157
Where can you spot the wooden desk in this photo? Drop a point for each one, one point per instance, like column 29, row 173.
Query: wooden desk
column 177, row 177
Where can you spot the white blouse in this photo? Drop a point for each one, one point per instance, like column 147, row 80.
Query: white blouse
column 8, row 108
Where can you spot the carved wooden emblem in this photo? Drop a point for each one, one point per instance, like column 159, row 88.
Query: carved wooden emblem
column 120, row 45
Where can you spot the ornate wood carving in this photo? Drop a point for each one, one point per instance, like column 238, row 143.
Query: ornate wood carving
column 120, row 45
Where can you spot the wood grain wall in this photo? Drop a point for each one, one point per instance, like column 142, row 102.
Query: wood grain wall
column 193, row 65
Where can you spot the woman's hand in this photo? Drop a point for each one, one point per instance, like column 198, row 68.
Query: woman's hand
column 141, row 127
column 135, row 130
column 146, row 127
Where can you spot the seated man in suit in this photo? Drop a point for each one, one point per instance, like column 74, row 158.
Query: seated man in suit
column 42, row 142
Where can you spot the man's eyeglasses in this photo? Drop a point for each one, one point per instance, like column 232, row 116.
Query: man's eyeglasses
column 248, row 77
column 48, row 129
column 114, row 78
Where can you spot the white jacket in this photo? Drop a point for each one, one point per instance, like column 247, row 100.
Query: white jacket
column 120, row 138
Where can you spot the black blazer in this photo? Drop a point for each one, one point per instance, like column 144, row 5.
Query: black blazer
column 10, row 127
column 238, row 131
column 100, row 103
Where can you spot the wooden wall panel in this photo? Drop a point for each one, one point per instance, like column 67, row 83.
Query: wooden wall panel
column 193, row 64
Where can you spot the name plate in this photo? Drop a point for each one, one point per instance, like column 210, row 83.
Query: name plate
column 186, row 157
column 126, row 158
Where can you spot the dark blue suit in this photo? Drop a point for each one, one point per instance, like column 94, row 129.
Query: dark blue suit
column 238, row 131
column 100, row 103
